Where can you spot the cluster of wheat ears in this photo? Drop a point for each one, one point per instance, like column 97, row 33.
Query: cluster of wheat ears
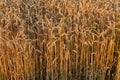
column 59, row 40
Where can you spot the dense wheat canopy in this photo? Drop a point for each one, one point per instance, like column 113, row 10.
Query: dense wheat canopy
column 59, row 40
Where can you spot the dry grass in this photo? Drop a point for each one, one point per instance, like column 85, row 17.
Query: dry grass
column 59, row 40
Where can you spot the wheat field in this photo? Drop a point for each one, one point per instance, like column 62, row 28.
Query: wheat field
column 59, row 40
